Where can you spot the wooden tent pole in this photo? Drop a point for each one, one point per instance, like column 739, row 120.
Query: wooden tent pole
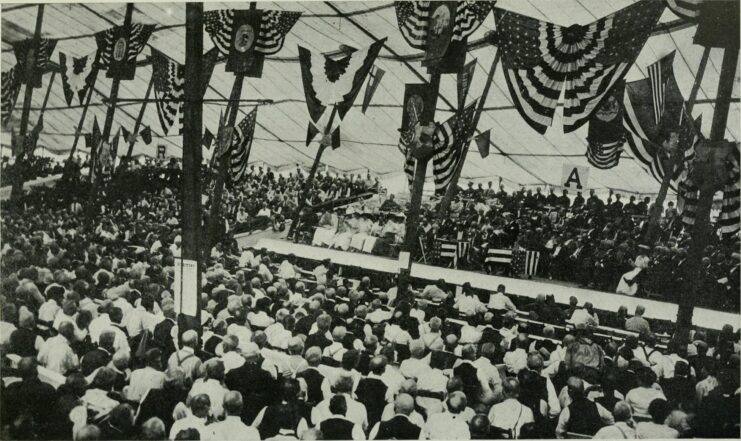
column 30, row 72
column 675, row 158
column 43, row 107
column 90, row 90
column 701, row 231
column 415, row 203
column 138, row 122
column 95, row 176
column 192, row 152
column 442, row 209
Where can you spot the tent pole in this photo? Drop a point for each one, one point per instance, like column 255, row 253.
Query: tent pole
column 43, row 107
column 78, row 131
column 138, row 122
column 701, row 231
column 95, row 176
column 30, row 72
column 192, row 152
column 412, row 222
column 676, row 157
column 442, row 209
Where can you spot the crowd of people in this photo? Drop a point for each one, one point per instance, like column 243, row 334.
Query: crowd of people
column 34, row 167
column 590, row 242
column 92, row 349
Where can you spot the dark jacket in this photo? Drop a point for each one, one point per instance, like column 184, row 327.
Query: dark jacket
column 336, row 428
column 398, row 427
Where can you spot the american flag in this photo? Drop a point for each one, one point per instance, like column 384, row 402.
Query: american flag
column 241, row 144
column 11, row 85
column 169, row 81
column 456, row 250
column 43, row 58
column 76, row 78
column 138, row 36
column 274, row 26
column 604, row 155
column 657, row 76
column 686, row 9
column 498, row 255
column 541, row 59
column 450, row 139
column 406, row 137
column 525, row 262
column 413, row 18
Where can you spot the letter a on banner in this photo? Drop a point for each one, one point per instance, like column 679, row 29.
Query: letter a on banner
column 574, row 177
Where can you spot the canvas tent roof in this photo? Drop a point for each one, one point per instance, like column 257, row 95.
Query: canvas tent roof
column 519, row 154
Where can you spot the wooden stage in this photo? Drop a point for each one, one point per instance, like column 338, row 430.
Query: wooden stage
column 705, row 318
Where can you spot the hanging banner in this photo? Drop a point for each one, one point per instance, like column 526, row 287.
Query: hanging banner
column 242, row 55
column 418, row 99
column 439, row 32
column 465, row 77
column 185, row 289
column 483, row 142
column 374, row 79
column 574, row 177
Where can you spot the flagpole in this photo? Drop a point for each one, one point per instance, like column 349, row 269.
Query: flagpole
column 95, row 176
column 701, row 231
column 675, row 158
column 30, row 71
column 412, row 221
column 310, row 179
column 139, row 118
column 442, row 209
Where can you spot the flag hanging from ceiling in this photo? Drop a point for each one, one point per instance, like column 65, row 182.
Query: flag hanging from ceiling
column 606, row 134
column 541, row 59
column 241, row 145
column 169, row 81
column 718, row 24
column 92, row 139
column 483, row 141
column 465, row 77
column 208, row 139
column 374, row 79
column 246, row 36
column 419, row 109
column 127, row 136
column 334, row 81
column 43, row 59
column 651, row 106
column 207, row 68
column 686, row 9
column 76, row 78
column 413, row 18
column 450, row 139
column 118, row 48
column 11, row 85
column 147, row 135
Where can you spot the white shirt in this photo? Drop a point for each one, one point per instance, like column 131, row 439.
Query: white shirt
column 516, row 360
column 510, row 414
column 499, row 300
column 487, row 373
column 231, row 429
column 215, row 392
column 56, row 355
column 142, row 380
column 469, row 305
column 446, row 426
column 286, row 270
column 232, row 360
column 189, row 422
column 414, row 368
column 355, row 412
column 640, row 398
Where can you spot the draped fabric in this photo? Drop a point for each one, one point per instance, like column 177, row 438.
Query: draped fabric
column 451, row 138
column 413, row 18
column 274, row 26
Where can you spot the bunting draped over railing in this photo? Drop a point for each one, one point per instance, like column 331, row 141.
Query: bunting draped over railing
column 541, row 59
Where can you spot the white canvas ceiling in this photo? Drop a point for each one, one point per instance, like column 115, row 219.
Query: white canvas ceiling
column 520, row 156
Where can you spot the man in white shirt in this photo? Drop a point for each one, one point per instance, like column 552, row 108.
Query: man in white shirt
column 56, row 354
column 487, row 373
column 449, row 425
column 517, row 360
column 287, row 269
column 356, row 411
column 149, row 377
column 232, row 428
column 212, row 385
column 510, row 415
column 416, row 366
column 200, row 406
column 499, row 300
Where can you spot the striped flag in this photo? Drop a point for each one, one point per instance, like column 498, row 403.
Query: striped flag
column 43, row 59
column 241, row 145
column 118, row 48
column 274, row 26
column 541, row 59
column 450, row 139
column 11, row 85
column 169, row 81
column 686, row 9
column 406, row 137
column 498, row 255
column 604, row 156
column 525, row 262
column 658, row 85
column 456, row 250
column 606, row 134
column 413, row 18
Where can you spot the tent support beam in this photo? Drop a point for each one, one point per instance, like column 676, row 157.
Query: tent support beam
column 78, row 131
column 40, row 119
column 442, row 209
column 30, row 72
column 675, row 158
column 701, row 230
column 138, row 122
column 94, row 172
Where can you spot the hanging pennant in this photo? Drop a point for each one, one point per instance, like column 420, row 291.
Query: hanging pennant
column 373, row 81
column 147, row 135
column 465, row 77
column 483, row 142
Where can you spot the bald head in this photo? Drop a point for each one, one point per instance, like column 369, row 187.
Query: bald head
column 575, row 387
column 408, row 387
column 457, row 402
column 404, row 404
column 233, row 403
column 377, row 364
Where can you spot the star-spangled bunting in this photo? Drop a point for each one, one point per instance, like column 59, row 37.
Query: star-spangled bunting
column 11, row 86
column 76, row 78
column 239, row 152
column 43, row 58
column 449, row 141
column 413, row 18
column 542, row 59
column 123, row 66
column 274, row 26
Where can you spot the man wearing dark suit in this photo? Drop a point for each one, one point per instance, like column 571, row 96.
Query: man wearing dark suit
column 338, row 426
column 466, row 371
column 162, row 337
column 319, row 338
column 398, row 427
column 255, row 384
column 371, row 345
column 289, row 411
column 160, row 402
column 99, row 356
column 30, row 397
column 371, row 391
column 313, row 377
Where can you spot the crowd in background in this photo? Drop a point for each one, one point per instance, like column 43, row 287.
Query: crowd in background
column 34, row 167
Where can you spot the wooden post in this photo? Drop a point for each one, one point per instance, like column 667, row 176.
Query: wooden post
column 43, row 106
column 701, row 232
column 415, row 203
column 675, row 158
column 310, row 179
column 192, row 151
column 442, row 209
column 95, row 176
column 138, row 122
column 30, row 71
